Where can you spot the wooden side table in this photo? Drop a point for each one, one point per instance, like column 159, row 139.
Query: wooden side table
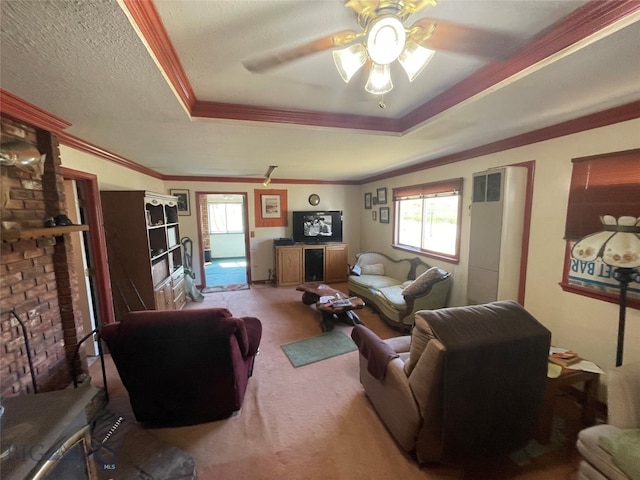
column 568, row 377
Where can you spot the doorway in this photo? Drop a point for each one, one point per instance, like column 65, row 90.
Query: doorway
column 89, row 248
column 224, row 234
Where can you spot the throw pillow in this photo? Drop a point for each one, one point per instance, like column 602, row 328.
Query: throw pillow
column 421, row 335
column 373, row 269
column 424, row 282
column 356, row 270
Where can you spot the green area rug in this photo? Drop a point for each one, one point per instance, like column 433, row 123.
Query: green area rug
column 314, row 349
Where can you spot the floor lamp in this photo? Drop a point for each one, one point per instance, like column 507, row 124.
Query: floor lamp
column 618, row 245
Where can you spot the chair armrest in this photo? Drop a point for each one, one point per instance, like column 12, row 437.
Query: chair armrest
column 376, row 351
column 254, row 334
column 623, row 394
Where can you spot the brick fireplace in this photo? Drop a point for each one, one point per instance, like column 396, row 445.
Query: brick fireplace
column 38, row 279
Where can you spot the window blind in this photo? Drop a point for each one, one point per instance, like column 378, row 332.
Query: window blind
column 602, row 185
column 446, row 187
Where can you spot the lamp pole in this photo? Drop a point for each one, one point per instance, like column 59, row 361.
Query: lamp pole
column 624, row 276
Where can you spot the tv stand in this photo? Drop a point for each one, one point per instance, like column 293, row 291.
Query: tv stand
column 299, row 263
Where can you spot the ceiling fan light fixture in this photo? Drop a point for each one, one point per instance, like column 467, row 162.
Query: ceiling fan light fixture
column 349, row 60
column 379, row 81
column 414, row 58
column 386, row 39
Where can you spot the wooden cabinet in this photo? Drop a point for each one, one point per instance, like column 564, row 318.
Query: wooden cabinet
column 144, row 251
column 288, row 265
column 299, row 263
column 336, row 268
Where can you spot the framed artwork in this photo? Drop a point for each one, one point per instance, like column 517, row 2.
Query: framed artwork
column 183, row 200
column 381, row 195
column 270, row 208
column 374, row 215
column 367, row 201
column 384, row 214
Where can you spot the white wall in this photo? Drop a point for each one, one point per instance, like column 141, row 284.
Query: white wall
column 581, row 323
column 111, row 176
column 332, row 197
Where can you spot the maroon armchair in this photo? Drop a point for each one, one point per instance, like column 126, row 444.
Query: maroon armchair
column 184, row 367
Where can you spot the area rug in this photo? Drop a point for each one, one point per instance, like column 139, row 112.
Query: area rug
column 226, row 288
column 321, row 347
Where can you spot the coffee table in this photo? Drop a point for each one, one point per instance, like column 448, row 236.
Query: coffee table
column 340, row 307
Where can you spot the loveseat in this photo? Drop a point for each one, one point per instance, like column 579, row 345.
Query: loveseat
column 611, row 451
column 397, row 289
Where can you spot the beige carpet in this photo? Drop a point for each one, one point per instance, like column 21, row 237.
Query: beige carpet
column 308, row 423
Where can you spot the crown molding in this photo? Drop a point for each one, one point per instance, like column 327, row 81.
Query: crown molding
column 23, row 111
column 84, row 146
column 145, row 19
column 577, row 26
column 622, row 113
column 252, row 113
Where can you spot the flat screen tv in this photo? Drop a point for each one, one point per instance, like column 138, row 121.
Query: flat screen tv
column 317, row 227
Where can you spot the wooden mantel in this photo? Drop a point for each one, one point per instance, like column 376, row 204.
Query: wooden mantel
column 8, row 235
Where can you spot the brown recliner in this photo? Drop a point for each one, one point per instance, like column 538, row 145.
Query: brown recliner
column 184, row 367
column 466, row 385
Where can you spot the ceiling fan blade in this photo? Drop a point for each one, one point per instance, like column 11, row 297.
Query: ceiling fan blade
column 454, row 37
column 267, row 62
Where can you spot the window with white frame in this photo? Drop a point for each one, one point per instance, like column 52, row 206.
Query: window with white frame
column 225, row 218
column 428, row 217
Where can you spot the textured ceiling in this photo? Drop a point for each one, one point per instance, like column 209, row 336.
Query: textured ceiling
column 86, row 62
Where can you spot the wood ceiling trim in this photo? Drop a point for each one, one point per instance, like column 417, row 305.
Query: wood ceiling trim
column 585, row 21
column 26, row 112
column 253, row 113
column 84, row 146
column 145, row 16
column 629, row 111
column 580, row 24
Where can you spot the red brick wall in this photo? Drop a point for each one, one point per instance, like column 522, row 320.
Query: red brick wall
column 37, row 276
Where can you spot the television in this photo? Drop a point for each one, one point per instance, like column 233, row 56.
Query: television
column 317, row 226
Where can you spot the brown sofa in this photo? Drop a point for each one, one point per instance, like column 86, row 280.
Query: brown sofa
column 468, row 384
column 184, row 367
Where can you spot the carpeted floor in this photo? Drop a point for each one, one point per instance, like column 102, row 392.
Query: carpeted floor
column 314, row 422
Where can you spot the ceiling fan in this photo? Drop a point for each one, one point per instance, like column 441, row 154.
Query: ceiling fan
column 384, row 38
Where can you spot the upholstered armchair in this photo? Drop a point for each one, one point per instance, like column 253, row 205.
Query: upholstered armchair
column 184, row 367
column 467, row 384
column 611, row 451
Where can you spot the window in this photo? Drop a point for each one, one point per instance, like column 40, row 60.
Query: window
column 225, row 218
column 427, row 218
column 600, row 185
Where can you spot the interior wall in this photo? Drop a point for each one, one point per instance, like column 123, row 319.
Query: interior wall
column 581, row 323
column 111, row 176
column 332, row 197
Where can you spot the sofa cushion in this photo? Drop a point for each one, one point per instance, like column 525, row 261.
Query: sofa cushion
column 372, row 282
column 373, row 269
column 421, row 335
column 624, row 448
column 424, row 282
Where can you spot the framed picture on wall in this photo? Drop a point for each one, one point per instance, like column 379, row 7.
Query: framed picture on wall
column 183, row 200
column 367, row 201
column 374, row 215
column 384, row 214
column 381, row 195
column 271, row 208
